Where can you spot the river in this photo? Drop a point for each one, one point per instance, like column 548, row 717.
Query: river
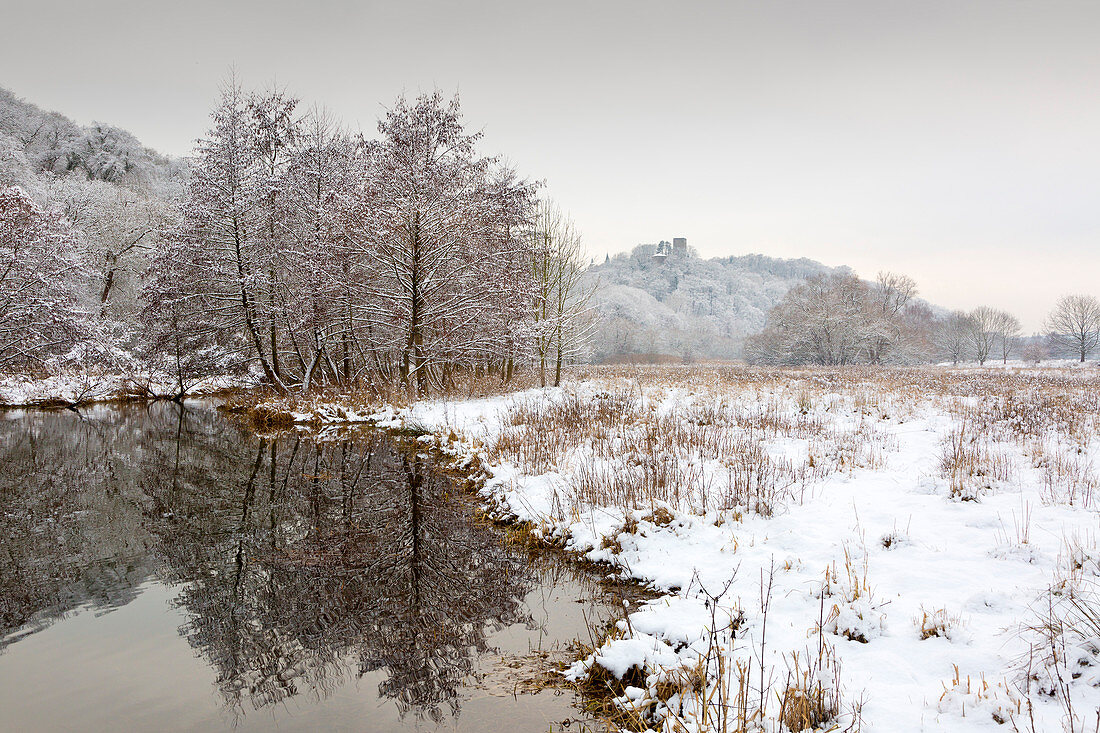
column 165, row 568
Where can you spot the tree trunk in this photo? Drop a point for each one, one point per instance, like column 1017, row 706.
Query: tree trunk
column 413, row 372
column 109, row 280
column 274, row 342
column 246, row 305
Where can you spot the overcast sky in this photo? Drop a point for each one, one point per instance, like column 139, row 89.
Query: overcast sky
column 957, row 142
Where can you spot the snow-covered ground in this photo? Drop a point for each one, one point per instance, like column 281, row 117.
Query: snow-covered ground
column 893, row 550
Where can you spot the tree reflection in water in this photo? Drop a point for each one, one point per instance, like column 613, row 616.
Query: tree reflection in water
column 302, row 563
column 70, row 520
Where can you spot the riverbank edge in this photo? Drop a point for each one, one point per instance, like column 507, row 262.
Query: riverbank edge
column 69, row 392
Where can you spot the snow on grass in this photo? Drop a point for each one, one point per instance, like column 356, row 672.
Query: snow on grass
column 78, row 388
column 894, row 550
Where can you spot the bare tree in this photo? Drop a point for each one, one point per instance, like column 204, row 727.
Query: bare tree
column 1074, row 324
column 1007, row 328
column 563, row 318
column 982, row 333
column 952, row 336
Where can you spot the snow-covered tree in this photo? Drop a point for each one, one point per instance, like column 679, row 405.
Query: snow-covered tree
column 444, row 272
column 891, row 293
column 327, row 259
column 1074, row 324
column 219, row 254
column 271, row 129
column 835, row 319
column 182, row 338
column 108, row 153
column 119, row 227
column 41, row 282
column 319, row 188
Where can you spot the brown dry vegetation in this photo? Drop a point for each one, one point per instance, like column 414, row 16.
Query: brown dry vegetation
column 638, row 456
column 626, row 447
column 630, row 452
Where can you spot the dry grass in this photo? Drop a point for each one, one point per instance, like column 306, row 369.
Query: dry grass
column 1069, row 476
column 810, row 698
column 937, row 624
column 729, row 412
column 629, row 447
column 971, row 465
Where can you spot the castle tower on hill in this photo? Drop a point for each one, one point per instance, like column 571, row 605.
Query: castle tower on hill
column 677, row 248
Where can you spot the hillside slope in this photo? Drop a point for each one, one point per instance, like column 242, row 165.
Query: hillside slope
column 116, row 192
column 685, row 306
column 34, row 141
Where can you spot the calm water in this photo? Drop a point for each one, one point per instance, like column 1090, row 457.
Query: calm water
column 163, row 569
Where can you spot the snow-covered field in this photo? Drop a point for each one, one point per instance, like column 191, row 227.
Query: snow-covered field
column 893, row 550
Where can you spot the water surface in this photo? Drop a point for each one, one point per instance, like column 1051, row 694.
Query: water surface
column 164, row 568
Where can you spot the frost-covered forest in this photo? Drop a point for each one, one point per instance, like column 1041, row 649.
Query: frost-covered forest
column 286, row 250
column 82, row 209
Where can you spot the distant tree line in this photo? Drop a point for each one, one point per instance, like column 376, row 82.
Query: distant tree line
column 840, row 319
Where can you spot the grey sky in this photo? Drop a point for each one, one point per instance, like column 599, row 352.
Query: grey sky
column 956, row 142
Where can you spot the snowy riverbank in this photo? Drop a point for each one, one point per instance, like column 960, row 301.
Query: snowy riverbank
column 80, row 389
column 904, row 533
